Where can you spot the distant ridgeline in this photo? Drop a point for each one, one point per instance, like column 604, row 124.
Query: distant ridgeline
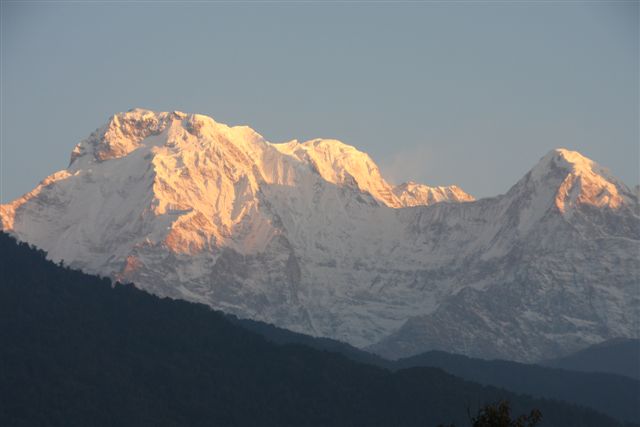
column 77, row 351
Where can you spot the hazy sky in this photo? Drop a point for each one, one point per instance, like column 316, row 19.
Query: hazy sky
column 466, row 93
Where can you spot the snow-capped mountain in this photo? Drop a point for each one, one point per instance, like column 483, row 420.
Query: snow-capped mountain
column 310, row 236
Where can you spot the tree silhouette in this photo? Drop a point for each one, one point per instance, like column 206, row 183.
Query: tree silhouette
column 499, row 415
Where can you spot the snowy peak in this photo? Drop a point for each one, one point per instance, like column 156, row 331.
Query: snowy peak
column 566, row 160
column 414, row 194
column 344, row 165
column 578, row 180
column 123, row 134
column 126, row 132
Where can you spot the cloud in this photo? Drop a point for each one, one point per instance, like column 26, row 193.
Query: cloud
column 409, row 164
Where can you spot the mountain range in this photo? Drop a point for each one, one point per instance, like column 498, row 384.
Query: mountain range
column 310, row 237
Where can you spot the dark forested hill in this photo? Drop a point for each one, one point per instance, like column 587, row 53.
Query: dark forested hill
column 77, row 351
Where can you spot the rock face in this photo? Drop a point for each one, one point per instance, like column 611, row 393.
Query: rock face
column 309, row 236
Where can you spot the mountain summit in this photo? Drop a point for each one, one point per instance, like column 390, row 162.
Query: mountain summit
column 310, row 236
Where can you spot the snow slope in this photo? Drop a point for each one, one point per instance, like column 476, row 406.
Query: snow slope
column 310, row 236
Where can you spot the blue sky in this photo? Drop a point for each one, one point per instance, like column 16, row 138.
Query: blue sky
column 471, row 93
